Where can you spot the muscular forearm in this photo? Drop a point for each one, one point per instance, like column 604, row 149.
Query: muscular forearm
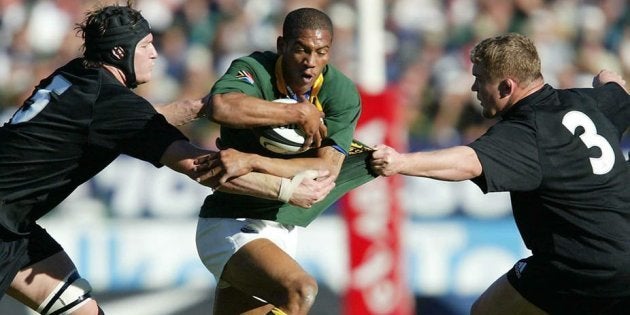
column 182, row 112
column 452, row 164
column 254, row 184
column 238, row 110
column 327, row 158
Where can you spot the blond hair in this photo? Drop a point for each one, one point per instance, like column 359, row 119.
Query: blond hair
column 509, row 55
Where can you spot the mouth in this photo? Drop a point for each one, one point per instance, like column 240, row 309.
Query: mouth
column 306, row 77
column 302, row 82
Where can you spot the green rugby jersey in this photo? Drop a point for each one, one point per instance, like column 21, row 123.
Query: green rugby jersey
column 255, row 75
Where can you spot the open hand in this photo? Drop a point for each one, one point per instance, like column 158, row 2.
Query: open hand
column 312, row 189
column 223, row 165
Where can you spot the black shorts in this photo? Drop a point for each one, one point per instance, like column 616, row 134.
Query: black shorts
column 18, row 252
column 537, row 285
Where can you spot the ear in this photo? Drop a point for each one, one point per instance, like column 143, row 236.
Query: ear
column 506, row 87
column 280, row 45
column 118, row 52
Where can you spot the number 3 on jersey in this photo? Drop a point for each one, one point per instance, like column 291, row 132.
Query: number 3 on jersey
column 40, row 99
column 605, row 162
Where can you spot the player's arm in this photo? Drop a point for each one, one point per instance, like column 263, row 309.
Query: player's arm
column 606, row 76
column 182, row 112
column 302, row 191
column 452, row 164
column 239, row 110
column 235, row 163
column 324, row 158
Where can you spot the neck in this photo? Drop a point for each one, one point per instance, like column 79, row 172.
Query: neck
column 531, row 88
column 521, row 93
column 117, row 73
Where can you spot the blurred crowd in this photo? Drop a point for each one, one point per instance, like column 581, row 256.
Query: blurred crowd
column 427, row 46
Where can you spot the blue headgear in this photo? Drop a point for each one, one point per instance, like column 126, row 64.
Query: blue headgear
column 123, row 29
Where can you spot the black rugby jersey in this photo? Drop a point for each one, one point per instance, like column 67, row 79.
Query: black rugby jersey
column 76, row 122
column 557, row 152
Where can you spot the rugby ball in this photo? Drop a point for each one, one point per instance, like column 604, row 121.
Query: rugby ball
column 281, row 139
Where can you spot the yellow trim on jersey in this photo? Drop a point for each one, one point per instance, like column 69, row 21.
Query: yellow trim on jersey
column 282, row 85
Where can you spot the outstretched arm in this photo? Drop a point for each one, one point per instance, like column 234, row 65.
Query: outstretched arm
column 232, row 163
column 182, row 112
column 302, row 191
column 453, row 164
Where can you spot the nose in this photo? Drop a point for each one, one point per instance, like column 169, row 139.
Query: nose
column 154, row 53
column 309, row 60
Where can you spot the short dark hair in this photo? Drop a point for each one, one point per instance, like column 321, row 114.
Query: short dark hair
column 305, row 19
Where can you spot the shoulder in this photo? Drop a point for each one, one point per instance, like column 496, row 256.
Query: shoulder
column 337, row 83
column 258, row 60
column 252, row 75
column 333, row 74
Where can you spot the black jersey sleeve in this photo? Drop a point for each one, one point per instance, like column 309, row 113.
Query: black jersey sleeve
column 614, row 102
column 127, row 123
column 509, row 158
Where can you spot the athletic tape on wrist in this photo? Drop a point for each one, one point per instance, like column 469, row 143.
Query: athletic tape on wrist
column 286, row 190
column 288, row 186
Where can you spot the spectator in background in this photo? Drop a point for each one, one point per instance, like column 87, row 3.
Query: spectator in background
column 558, row 154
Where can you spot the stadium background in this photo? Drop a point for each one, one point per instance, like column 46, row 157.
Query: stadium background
column 131, row 229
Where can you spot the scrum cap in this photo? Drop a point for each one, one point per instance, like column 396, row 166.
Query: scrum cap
column 124, row 27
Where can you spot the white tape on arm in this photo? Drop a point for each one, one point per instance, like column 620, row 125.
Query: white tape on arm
column 288, row 186
column 286, row 190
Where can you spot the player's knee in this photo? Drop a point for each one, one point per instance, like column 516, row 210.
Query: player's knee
column 302, row 292
column 71, row 294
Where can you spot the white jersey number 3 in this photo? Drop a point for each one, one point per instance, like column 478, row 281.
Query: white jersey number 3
column 40, row 99
column 605, row 162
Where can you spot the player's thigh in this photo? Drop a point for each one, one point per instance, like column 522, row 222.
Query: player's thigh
column 38, row 284
column 501, row 298
column 262, row 268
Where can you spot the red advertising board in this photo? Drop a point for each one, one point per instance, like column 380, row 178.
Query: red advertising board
column 374, row 219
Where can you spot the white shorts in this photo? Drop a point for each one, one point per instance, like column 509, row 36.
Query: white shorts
column 219, row 238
